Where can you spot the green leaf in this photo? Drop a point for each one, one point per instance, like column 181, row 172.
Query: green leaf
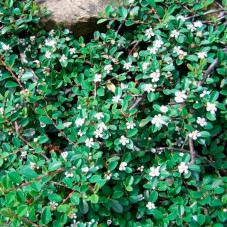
column 143, row 122
column 101, row 21
column 129, row 23
column 15, row 177
column 112, row 165
column 28, row 172
column 153, row 196
column 116, row 206
column 46, row 216
column 157, row 214
column 151, row 3
column 94, row 198
column 10, row 3
column 22, row 210
column 123, row 11
column 75, row 198
column 45, row 120
column 54, row 166
column 11, row 84
column 214, row 96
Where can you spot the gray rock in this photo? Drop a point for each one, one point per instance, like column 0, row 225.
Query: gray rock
column 80, row 16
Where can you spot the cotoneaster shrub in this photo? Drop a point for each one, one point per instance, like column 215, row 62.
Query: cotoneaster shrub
column 128, row 129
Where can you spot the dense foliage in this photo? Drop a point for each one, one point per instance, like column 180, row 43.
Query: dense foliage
column 128, row 129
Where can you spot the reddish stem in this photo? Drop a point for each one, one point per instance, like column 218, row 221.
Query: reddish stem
column 36, row 179
column 11, row 72
column 65, row 200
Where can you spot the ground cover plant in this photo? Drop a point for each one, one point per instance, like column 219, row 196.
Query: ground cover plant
column 127, row 129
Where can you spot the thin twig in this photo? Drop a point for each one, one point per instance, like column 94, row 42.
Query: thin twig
column 65, row 200
column 175, row 103
column 26, row 220
column 11, row 72
column 205, row 13
column 36, row 179
column 210, row 69
column 22, row 138
column 155, row 12
column 62, row 133
column 192, row 150
column 138, row 101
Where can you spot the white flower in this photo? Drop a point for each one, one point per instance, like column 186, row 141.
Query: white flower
column 64, row 155
column 35, row 140
column 130, row 125
column 176, row 49
column 149, row 32
column 122, row 166
column 72, row 51
column 98, row 133
column 191, row 27
column 168, row 74
column 182, row 54
column 116, row 98
column 180, row 96
column 23, row 154
column 48, row 54
column 158, row 43
column 79, row 122
column 153, row 50
column 108, row 68
column 149, row 87
column 67, row 124
column 32, row 165
column 201, row 121
column 198, row 24
column 157, row 120
column 32, row 38
column 81, row 133
column 124, row 140
column 140, row 197
column 89, row 142
column 211, row 108
column 204, row 93
column 155, row 76
column 127, row 65
column 99, row 116
column 135, row 55
column 79, row 107
column 1, row 110
column 63, row 58
column 102, row 126
column 109, row 222
column 183, row 168
column 53, row 205
column 154, row 172
column 175, row 34
column 6, row 47
column 180, row 17
column 98, row 78
column 68, row 174
column 164, row 109
column 194, row 135
column 140, row 168
column 150, row 206
column 108, row 175
column 202, row 55
column 42, row 125
column 49, row 42
column 199, row 34
column 145, row 65
column 85, row 169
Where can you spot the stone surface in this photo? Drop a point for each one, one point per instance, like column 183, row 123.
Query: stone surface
column 80, row 16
